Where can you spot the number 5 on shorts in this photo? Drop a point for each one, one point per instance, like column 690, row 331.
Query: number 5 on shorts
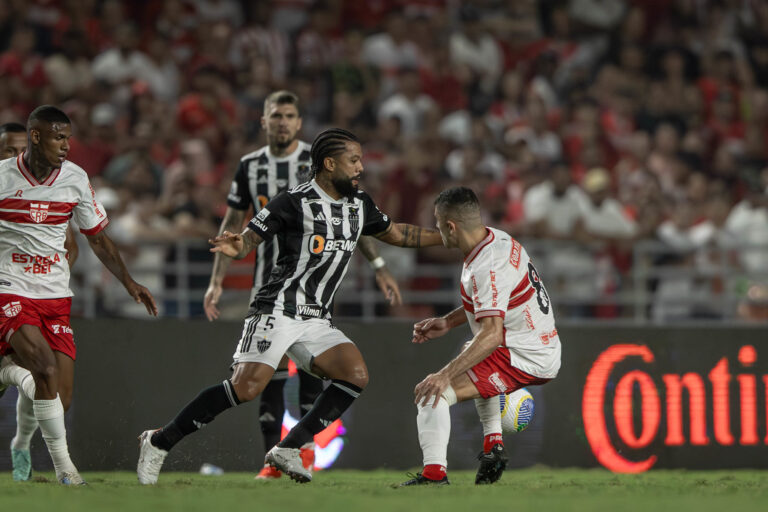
column 268, row 323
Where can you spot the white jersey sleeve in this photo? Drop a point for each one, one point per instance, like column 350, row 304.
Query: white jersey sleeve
column 89, row 214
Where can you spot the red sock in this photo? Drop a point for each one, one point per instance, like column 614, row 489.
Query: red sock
column 434, row 471
column 490, row 440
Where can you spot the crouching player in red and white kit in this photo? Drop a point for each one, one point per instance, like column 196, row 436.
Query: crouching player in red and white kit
column 515, row 342
column 39, row 192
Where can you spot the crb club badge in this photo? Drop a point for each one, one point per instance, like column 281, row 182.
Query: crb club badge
column 12, row 309
column 38, row 212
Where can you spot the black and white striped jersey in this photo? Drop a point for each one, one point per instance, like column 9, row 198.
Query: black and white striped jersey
column 261, row 176
column 316, row 236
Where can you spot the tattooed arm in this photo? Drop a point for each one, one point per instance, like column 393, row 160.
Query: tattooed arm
column 408, row 235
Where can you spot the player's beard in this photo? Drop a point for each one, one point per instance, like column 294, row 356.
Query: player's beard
column 282, row 142
column 344, row 185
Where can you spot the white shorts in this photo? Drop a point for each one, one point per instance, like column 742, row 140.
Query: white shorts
column 266, row 338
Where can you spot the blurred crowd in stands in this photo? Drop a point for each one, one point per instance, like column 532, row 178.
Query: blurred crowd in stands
column 598, row 121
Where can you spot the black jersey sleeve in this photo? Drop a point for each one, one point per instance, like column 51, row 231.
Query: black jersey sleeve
column 239, row 196
column 275, row 216
column 375, row 221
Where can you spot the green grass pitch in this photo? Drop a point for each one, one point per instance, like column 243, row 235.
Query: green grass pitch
column 537, row 490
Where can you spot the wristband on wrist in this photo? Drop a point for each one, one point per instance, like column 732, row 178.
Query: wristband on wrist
column 377, row 263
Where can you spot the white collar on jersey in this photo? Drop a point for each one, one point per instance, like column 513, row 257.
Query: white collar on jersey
column 324, row 195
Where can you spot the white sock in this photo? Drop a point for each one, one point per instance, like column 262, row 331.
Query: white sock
column 434, row 431
column 50, row 415
column 14, row 375
column 27, row 387
column 490, row 414
column 26, row 423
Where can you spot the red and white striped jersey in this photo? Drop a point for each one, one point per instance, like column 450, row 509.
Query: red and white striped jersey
column 33, row 225
column 498, row 279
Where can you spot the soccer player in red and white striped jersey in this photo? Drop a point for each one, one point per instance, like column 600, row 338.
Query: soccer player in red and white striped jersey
column 515, row 342
column 13, row 142
column 39, row 192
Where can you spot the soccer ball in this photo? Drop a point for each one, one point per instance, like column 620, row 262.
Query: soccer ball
column 516, row 411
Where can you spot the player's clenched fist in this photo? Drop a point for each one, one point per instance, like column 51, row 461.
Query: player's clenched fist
column 229, row 244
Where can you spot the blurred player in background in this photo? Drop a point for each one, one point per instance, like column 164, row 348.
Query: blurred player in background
column 39, row 191
column 13, row 142
column 282, row 164
column 316, row 226
column 515, row 342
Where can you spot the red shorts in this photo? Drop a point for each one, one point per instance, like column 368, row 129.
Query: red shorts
column 50, row 315
column 495, row 375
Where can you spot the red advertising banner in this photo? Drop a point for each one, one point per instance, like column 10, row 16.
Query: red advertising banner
column 660, row 398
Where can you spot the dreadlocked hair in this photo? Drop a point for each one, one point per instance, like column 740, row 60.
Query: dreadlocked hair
column 330, row 142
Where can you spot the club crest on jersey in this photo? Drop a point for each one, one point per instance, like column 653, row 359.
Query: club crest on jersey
column 38, row 212
column 12, row 309
column 354, row 220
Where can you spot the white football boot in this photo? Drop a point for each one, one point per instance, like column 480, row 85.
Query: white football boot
column 288, row 460
column 150, row 459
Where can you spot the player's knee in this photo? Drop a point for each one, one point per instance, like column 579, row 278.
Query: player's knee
column 46, row 371
column 247, row 389
column 358, row 376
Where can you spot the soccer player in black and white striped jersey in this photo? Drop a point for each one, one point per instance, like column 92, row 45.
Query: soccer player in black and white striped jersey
column 317, row 226
column 282, row 164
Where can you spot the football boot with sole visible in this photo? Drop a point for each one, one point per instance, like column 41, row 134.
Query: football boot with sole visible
column 288, row 460
column 492, row 465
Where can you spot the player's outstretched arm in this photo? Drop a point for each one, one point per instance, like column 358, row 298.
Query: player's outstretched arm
column 384, row 279
column 431, row 328
column 490, row 336
column 408, row 235
column 233, row 222
column 234, row 245
column 104, row 248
